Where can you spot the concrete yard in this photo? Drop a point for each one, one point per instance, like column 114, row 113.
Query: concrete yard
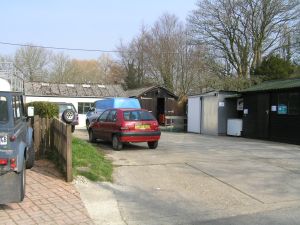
column 196, row 179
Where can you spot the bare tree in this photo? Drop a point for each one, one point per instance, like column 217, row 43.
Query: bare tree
column 33, row 62
column 109, row 70
column 173, row 60
column 163, row 55
column 60, row 68
column 242, row 31
column 133, row 58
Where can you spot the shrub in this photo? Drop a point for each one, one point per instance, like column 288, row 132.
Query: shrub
column 45, row 109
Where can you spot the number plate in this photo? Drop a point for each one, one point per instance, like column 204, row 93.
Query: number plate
column 142, row 127
column 3, row 140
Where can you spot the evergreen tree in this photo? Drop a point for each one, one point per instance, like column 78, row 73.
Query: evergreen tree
column 274, row 67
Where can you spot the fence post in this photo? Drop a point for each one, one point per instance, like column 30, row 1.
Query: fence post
column 51, row 134
column 37, row 136
column 47, row 134
column 69, row 153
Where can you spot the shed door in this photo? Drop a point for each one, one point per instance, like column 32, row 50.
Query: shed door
column 263, row 111
column 170, row 106
column 194, row 114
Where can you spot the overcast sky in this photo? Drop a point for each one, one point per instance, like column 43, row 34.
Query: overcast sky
column 86, row 24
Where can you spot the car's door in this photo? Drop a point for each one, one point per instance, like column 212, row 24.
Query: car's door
column 110, row 124
column 20, row 128
column 99, row 127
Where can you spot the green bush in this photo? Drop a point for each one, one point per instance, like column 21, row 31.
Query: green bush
column 44, row 109
column 274, row 67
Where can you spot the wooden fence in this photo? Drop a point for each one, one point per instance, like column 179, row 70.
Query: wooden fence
column 53, row 137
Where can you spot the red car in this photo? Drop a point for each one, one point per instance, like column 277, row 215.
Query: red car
column 125, row 125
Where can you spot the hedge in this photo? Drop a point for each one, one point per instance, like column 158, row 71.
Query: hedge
column 45, row 109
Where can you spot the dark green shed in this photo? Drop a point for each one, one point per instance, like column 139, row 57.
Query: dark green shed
column 272, row 111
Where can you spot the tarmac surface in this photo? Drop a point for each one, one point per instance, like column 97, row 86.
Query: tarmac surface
column 196, row 179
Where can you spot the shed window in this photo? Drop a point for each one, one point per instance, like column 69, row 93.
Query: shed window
column 83, row 107
column 294, row 103
column 283, row 100
column 289, row 103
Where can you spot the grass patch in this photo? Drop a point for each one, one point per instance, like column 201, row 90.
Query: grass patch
column 89, row 162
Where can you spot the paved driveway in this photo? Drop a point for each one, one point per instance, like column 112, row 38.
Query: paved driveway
column 49, row 200
column 195, row 179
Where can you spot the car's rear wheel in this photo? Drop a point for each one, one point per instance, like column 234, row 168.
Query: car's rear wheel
column 92, row 138
column 30, row 158
column 116, row 144
column 152, row 144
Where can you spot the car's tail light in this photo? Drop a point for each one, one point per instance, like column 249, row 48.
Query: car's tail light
column 155, row 126
column 12, row 138
column 13, row 163
column 3, row 161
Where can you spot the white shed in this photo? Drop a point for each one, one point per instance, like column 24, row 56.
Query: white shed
column 208, row 113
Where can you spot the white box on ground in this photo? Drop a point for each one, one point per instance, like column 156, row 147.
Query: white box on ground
column 234, row 127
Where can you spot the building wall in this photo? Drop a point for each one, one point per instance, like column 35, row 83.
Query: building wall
column 209, row 118
column 74, row 101
column 285, row 127
column 266, row 121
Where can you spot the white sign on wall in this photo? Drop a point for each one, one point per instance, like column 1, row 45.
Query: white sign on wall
column 240, row 104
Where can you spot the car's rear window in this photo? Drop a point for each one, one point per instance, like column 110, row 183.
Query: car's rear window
column 3, row 109
column 137, row 115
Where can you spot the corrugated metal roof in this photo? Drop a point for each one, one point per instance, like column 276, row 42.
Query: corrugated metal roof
column 275, row 85
column 73, row 90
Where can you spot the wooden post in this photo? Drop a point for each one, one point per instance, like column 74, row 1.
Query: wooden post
column 48, row 134
column 51, row 134
column 37, row 136
column 69, row 154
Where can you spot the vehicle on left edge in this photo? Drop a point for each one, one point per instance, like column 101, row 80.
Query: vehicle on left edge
column 16, row 144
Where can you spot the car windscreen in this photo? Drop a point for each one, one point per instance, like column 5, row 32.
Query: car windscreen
column 138, row 115
column 3, row 109
column 63, row 107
